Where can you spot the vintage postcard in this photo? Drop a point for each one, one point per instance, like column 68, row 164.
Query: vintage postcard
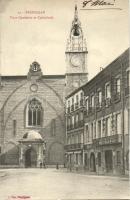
column 64, row 99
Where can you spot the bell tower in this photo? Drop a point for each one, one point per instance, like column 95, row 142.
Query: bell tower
column 76, row 56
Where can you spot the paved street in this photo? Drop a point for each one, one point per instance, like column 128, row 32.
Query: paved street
column 39, row 184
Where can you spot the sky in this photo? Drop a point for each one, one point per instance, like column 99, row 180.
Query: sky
column 44, row 40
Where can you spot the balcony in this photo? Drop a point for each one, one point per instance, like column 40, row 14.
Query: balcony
column 127, row 91
column 76, row 125
column 88, row 146
column 70, row 147
column 113, row 139
column 117, row 97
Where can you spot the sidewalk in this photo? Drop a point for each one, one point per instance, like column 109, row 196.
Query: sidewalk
column 94, row 174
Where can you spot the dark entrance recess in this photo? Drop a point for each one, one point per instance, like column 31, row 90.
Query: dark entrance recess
column 86, row 160
column 30, row 158
column 108, row 161
column 92, row 163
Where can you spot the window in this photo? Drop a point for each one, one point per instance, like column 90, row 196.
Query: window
column 81, row 116
column 99, row 129
column 73, row 121
column 82, row 138
column 118, row 157
column 72, row 107
column 68, row 140
column 92, row 101
column 107, row 91
column 108, row 126
column 34, row 113
column 68, row 122
column 77, row 119
column 79, row 138
column 76, row 138
column 81, row 99
column 72, row 139
column 73, row 101
column 77, row 102
column 99, row 97
column 14, row 127
column 77, row 99
column 81, row 95
column 86, row 133
column 92, row 131
column 118, row 123
column 118, row 85
column 86, row 105
column 53, row 127
column 68, row 103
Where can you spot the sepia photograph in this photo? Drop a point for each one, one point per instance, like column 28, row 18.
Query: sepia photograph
column 64, row 99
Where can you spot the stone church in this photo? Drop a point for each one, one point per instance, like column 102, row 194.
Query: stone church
column 32, row 108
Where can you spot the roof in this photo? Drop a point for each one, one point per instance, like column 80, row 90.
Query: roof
column 60, row 76
column 32, row 136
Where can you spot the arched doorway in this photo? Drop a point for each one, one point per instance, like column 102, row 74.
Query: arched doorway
column 30, row 158
column 92, row 163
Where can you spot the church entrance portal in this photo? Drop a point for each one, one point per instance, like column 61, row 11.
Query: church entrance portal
column 30, row 158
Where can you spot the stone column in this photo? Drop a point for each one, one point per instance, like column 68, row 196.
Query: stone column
column 103, row 164
column 21, row 162
column 114, row 161
column 96, row 162
column 39, row 156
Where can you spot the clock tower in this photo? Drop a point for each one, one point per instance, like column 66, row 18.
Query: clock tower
column 76, row 56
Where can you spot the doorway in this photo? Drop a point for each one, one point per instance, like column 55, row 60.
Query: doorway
column 108, row 161
column 30, row 158
column 92, row 163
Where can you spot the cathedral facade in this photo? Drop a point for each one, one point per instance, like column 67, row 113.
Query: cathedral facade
column 32, row 108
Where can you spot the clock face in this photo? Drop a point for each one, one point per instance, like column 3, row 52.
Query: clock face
column 34, row 88
column 76, row 60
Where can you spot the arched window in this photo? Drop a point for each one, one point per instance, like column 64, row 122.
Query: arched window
column 34, row 113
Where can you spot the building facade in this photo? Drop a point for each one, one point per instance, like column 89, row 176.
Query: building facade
column 104, row 147
column 32, row 107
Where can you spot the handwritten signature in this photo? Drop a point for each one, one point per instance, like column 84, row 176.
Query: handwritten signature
column 97, row 3
column 23, row 197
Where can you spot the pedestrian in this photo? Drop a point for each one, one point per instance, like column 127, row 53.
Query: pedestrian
column 44, row 165
column 40, row 164
column 57, row 166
